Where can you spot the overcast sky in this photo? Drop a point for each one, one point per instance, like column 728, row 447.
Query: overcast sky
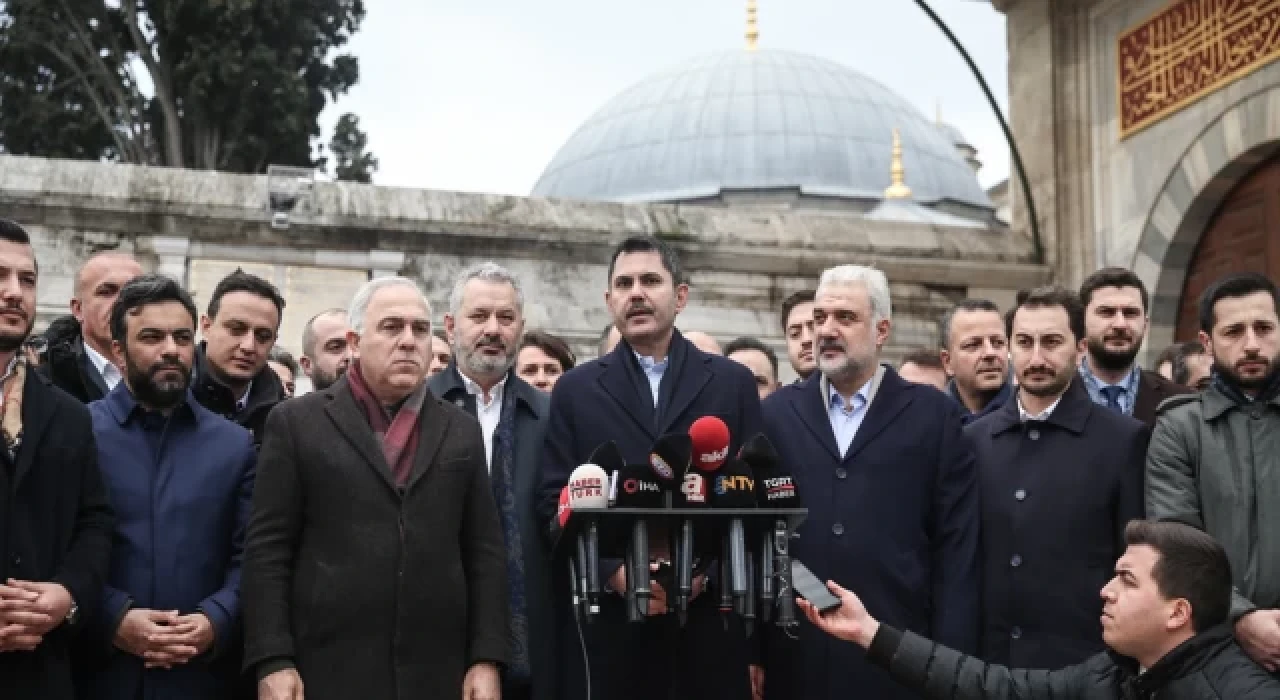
column 478, row 96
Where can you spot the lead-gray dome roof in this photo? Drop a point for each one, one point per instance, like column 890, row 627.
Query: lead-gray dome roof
column 756, row 120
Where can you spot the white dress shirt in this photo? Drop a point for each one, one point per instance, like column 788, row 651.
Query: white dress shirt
column 1041, row 416
column 488, row 413
column 110, row 373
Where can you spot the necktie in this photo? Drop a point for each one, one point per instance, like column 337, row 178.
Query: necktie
column 1112, row 394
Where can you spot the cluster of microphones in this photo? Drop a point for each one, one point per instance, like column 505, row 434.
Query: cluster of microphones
column 709, row 513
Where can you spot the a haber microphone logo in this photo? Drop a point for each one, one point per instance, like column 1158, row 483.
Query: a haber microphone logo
column 660, row 466
column 779, row 488
column 586, row 487
column 694, row 488
column 735, row 482
column 638, row 485
column 714, row 457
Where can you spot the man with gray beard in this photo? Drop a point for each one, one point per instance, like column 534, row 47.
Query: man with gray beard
column 484, row 324
column 891, row 487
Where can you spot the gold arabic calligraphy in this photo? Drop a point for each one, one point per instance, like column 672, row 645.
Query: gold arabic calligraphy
column 1188, row 50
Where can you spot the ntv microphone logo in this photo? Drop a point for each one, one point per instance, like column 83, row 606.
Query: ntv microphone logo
column 735, row 482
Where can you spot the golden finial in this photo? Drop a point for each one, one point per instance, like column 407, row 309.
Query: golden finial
column 753, row 28
column 898, row 188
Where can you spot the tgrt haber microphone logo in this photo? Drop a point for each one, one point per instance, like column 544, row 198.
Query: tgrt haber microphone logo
column 779, row 488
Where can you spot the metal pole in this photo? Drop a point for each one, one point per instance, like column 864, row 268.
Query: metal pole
column 1004, row 125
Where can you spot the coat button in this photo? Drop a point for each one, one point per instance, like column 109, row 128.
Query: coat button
column 1016, row 560
column 837, row 529
column 1034, row 434
column 1016, row 633
column 1020, row 494
column 841, row 473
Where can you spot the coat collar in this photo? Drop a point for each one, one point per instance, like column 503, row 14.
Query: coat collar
column 1071, row 413
column 122, row 406
column 449, row 386
column 39, row 405
column 888, row 399
column 996, row 402
column 265, row 390
column 689, row 372
column 1215, row 403
column 1186, row 659
column 349, row 419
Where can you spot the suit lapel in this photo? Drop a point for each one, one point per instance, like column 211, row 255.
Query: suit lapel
column 693, row 377
column 888, row 402
column 354, row 426
column 38, row 409
column 433, row 423
column 616, row 382
column 810, row 406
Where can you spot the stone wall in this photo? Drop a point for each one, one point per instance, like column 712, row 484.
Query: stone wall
column 742, row 263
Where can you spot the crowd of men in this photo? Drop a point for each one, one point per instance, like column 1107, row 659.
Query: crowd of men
column 178, row 521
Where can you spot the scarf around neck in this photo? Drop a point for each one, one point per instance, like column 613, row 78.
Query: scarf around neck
column 398, row 435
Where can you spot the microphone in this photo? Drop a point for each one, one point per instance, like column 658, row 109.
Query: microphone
column 710, row 438
column 735, row 487
column 609, row 458
column 669, row 459
column 637, row 488
column 777, row 489
column 586, row 487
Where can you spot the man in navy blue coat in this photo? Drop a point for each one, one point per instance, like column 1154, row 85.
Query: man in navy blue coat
column 891, row 487
column 180, row 479
column 653, row 383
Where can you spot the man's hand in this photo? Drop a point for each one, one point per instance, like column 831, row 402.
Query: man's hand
column 657, row 604
column 483, row 682
column 850, row 622
column 757, row 681
column 147, row 633
column 1259, row 635
column 51, row 605
column 284, row 684
column 189, row 637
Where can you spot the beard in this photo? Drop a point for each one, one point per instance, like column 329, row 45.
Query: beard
column 849, row 366
column 475, row 363
column 157, row 394
column 321, row 380
column 1112, row 360
column 1229, row 373
column 12, row 341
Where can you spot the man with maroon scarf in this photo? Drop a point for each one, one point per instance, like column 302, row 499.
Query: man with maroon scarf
column 375, row 563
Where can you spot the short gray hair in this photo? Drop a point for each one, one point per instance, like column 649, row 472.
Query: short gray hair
column 876, row 284
column 360, row 302
column 488, row 271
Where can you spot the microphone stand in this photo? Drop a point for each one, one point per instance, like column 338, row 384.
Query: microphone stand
column 782, row 565
column 765, row 558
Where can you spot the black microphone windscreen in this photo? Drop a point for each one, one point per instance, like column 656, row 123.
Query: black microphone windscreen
column 759, row 454
column 734, row 486
column 670, row 457
column 608, row 457
column 638, row 488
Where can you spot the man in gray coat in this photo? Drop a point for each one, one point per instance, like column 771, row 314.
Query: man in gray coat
column 374, row 565
column 484, row 323
column 1214, row 457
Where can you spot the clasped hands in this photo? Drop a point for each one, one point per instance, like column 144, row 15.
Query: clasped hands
column 163, row 638
column 28, row 611
column 658, row 602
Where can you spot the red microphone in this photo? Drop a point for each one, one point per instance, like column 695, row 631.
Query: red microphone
column 710, row 443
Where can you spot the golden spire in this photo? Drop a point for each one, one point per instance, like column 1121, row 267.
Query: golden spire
column 898, row 188
column 753, row 29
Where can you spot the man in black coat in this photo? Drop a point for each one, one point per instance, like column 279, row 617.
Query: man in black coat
column 485, row 322
column 1163, row 623
column 240, row 327
column 55, row 523
column 374, row 564
column 79, row 358
column 653, row 383
column 1061, row 477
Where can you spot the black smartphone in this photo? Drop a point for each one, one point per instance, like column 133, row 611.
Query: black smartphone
column 808, row 586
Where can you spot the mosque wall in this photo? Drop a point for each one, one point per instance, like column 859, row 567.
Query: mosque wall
column 197, row 226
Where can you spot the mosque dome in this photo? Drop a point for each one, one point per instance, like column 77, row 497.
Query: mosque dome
column 751, row 120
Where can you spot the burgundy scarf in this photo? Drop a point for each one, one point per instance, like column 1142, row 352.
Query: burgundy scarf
column 399, row 435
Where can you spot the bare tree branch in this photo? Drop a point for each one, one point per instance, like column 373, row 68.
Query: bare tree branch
column 164, row 89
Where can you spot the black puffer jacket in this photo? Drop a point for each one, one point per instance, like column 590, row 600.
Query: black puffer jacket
column 65, row 363
column 265, row 392
column 1210, row 666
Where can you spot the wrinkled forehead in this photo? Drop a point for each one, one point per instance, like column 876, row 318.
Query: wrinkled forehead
column 981, row 323
column 486, row 295
column 398, row 303
column 843, row 296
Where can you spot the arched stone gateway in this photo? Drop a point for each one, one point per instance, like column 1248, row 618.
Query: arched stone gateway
column 1231, row 147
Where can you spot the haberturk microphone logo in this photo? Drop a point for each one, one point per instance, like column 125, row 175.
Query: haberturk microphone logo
column 736, row 482
column 586, row 487
column 661, row 467
column 694, row 488
column 714, row 457
column 779, row 488
column 637, row 485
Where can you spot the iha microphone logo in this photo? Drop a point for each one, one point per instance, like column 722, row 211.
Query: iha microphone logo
column 694, row 488
column 661, row 467
column 586, row 487
column 638, row 485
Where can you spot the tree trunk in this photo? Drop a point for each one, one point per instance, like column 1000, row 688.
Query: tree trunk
column 164, row 89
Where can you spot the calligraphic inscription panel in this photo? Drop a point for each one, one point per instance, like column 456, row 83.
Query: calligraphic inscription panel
column 1188, row 50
